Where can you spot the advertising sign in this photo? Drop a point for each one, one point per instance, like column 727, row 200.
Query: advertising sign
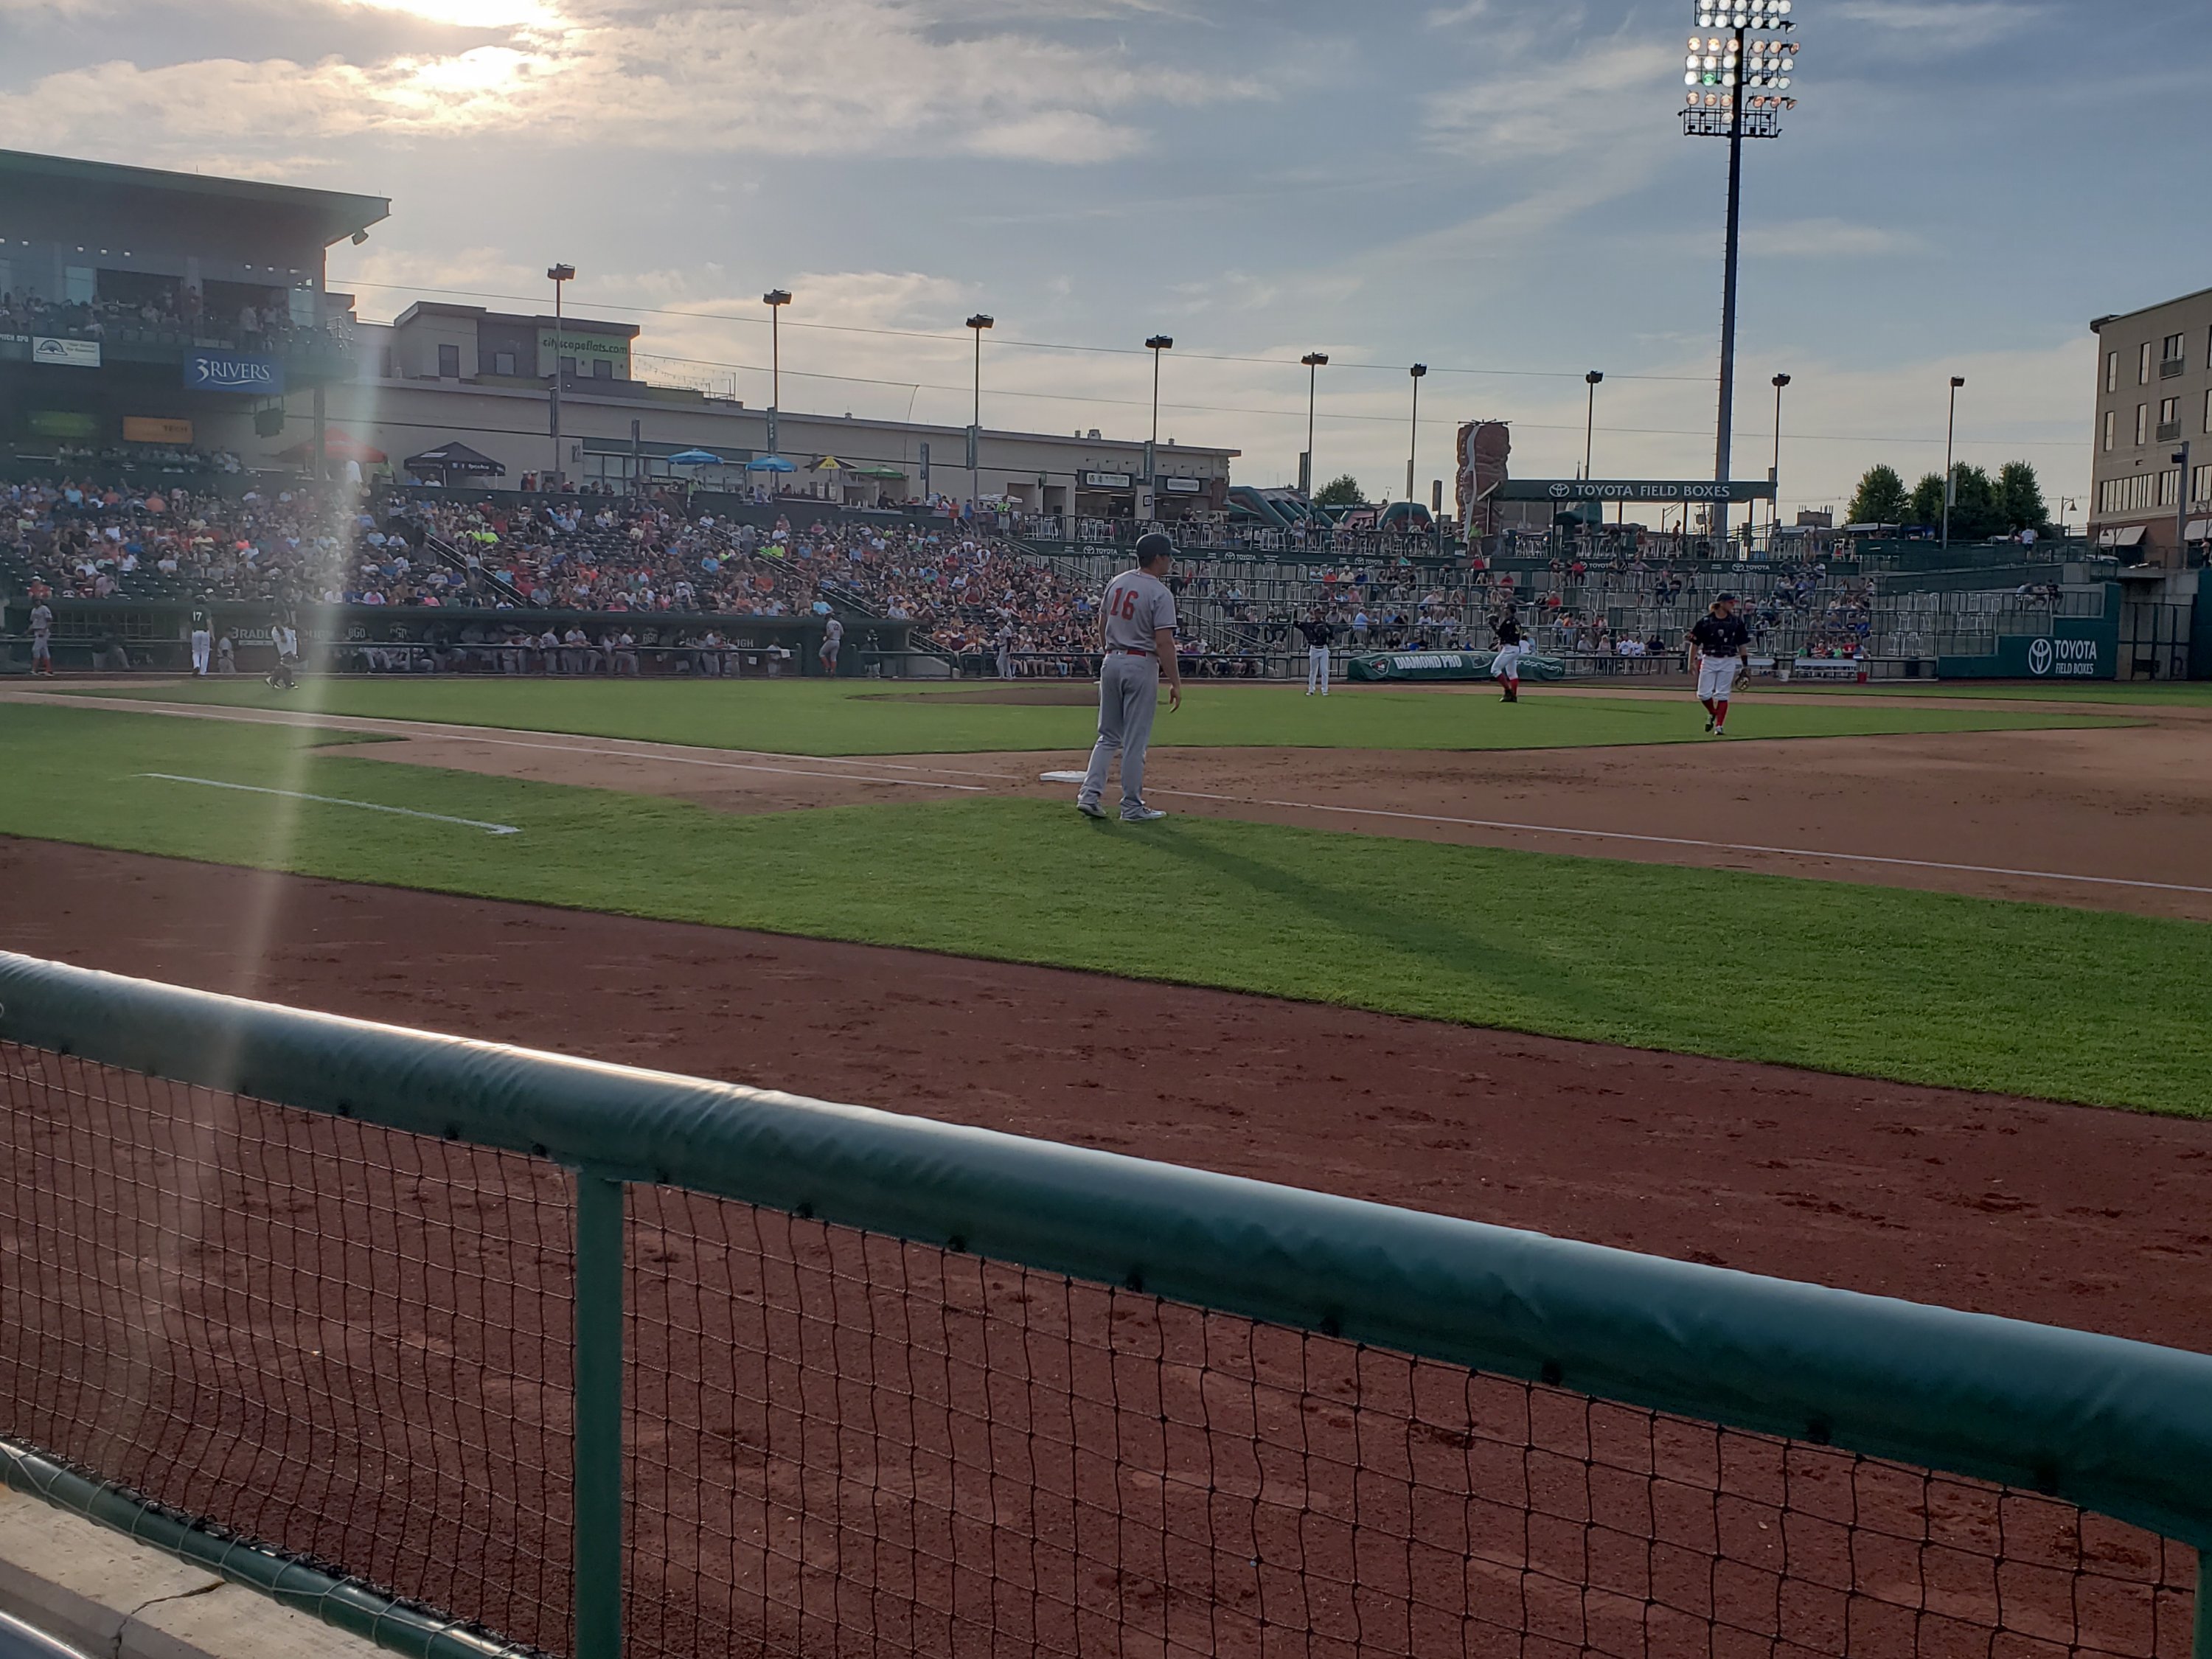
column 1445, row 665
column 233, row 371
column 61, row 424
column 1569, row 491
column 1105, row 480
column 1181, row 486
column 155, row 429
column 65, row 354
column 2077, row 648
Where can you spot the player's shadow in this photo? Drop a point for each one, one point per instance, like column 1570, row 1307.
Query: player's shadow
column 1470, row 959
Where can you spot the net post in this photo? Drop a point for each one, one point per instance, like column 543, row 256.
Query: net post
column 598, row 1416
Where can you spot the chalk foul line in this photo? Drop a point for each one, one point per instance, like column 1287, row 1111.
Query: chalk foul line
column 333, row 800
column 1688, row 841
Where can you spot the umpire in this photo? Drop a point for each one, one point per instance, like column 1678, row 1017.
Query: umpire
column 1138, row 641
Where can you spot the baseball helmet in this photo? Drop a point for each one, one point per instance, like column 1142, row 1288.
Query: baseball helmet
column 1153, row 545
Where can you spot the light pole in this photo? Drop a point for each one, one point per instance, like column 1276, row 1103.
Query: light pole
column 2181, row 508
column 979, row 322
column 1315, row 362
column 1593, row 379
column 1414, row 440
column 1720, row 70
column 775, row 300
column 2066, row 505
column 1774, row 473
column 1156, row 345
column 557, row 275
column 1950, row 477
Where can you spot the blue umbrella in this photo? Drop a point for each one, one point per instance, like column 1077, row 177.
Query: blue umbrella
column 770, row 464
column 695, row 458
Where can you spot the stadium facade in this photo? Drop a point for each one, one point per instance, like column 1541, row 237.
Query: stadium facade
column 174, row 309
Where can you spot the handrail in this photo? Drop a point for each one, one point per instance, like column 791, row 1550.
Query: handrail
column 2123, row 1428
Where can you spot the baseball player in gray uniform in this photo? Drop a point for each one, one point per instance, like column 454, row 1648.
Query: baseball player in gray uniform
column 1139, row 641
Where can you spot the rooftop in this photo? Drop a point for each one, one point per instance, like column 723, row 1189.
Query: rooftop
column 337, row 213
column 2097, row 324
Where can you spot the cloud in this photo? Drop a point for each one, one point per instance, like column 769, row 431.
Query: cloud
column 837, row 77
column 1556, row 108
column 1957, row 26
column 1826, row 239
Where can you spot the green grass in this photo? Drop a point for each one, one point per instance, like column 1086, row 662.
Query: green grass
column 2144, row 693
column 829, row 718
column 2066, row 1004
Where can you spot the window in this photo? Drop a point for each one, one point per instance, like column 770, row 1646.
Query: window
column 2112, row 371
column 449, row 362
column 302, row 302
column 2208, row 411
column 2142, row 421
column 2200, row 486
column 568, row 365
column 78, row 285
column 2143, row 365
column 502, row 363
column 602, row 369
column 2172, row 352
column 2169, row 487
column 2169, row 411
column 2130, row 494
column 2112, row 421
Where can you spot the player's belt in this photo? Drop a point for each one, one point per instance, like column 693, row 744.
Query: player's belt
column 1129, row 651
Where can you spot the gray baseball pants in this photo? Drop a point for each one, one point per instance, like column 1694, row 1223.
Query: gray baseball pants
column 1129, row 697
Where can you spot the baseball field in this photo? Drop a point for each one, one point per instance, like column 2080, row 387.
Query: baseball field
column 1855, row 899
column 1900, row 994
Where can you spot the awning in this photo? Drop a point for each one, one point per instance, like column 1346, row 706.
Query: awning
column 829, row 464
column 2196, row 529
column 452, row 458
column 2127, row 536
column 887, row 472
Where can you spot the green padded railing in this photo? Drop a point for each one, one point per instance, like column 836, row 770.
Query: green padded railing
column 2119, row 1428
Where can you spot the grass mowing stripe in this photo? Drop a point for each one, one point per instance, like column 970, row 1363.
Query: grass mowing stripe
column 1926, row 988
column 826, row 718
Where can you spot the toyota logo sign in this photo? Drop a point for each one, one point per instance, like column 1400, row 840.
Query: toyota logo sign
column 2038, row 657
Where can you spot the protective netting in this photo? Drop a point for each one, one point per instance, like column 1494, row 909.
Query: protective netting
column 353, row 1345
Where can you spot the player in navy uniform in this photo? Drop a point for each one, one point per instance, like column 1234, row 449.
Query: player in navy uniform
column 1318, row 635
column 1720, row 639
column 1505, row 666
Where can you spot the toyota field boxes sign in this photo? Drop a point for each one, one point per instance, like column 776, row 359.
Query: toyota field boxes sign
column 233, row 371
column 2083, row 651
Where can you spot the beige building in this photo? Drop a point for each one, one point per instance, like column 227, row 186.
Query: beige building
column 443, row 373
column 2153, row 405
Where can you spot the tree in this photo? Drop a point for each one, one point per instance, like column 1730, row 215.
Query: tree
column 1880, row 499
column 2019, row 499
column 1343, row 490
column 1927, row 503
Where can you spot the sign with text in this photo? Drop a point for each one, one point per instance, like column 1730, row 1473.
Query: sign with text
column 233, row 371
column 1104, row 480
column 551, row 344
column 65, row 354
column 1573, row 491
column 155, row 429
column 1181, row 486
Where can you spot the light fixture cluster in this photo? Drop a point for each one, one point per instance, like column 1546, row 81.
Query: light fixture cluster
column 1743, row 14
column 1740, row 66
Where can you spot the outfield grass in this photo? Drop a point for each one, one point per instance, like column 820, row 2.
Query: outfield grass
column 823, row 717
column 1926, row 988
column 2088, row 693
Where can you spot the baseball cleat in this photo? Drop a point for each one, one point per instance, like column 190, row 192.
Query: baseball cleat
column 1090, row 809
column 1709, row 722
column 1143, row 815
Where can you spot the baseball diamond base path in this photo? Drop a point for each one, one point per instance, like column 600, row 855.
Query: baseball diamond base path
column 2068, row 1215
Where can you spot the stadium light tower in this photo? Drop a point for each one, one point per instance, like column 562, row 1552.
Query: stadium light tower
column 1774, row 473
column 1315, row 362
column 775, row 300
column 1738, row 70
column 559, row 276
column 1950, row 467
column 1156, row 345
column 979, row 322
column 1413, row 442
column 1595, row 379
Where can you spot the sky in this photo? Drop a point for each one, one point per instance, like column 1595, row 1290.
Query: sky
column 1498, row 188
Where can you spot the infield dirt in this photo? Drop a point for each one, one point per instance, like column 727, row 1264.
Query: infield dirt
column 2064, row 1214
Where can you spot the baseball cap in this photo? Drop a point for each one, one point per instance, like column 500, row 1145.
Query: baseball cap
column 1153, row 545
column 1724, row 599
